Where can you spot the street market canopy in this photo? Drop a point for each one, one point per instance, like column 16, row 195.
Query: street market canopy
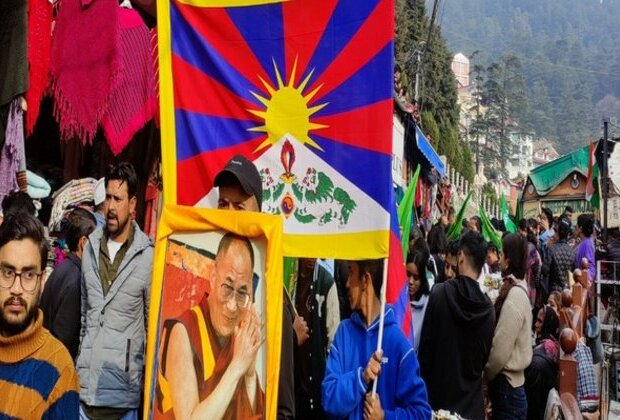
column 427, row 150
column 548, row 176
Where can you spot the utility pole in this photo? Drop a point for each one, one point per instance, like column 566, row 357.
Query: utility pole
column 418, row 65
column 604, row 177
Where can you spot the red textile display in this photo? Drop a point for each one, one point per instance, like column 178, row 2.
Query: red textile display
column 134, row 99
column 85, row 64
column 39, row 45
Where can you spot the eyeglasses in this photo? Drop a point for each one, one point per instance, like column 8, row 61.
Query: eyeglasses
column 28, row 279
column 227, row 293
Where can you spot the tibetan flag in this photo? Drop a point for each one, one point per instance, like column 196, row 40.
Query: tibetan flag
column 397, row 293
column 592, row 194
column 304, row 89
column 505, row 214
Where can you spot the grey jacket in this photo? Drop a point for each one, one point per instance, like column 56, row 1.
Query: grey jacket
column 110, row 362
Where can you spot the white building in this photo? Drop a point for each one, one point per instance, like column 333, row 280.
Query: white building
column 520, row 161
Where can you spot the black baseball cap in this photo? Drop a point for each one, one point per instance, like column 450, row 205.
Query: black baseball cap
column 246, row 173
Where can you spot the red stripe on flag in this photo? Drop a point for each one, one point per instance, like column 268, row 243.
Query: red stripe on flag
column 304, row 26
column 195, row 175
column 360, row 127
column 397, row 275
column 197, row 92
column 367, row 42
column 214, row 24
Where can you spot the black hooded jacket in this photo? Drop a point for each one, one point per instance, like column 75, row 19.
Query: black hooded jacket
column 456, row 341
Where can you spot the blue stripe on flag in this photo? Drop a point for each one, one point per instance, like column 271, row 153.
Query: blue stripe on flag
column 370, row 84
column 37, row 375
column 188, row 44
column 199, row 133
column 353, row 163
column 348, row 17
column 263, row 30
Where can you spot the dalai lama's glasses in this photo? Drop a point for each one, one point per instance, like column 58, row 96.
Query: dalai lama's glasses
column 227, row 293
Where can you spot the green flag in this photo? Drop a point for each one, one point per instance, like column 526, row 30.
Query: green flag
column 488, row 231
column 454, row 231
column 510, row 225
column 405, row 209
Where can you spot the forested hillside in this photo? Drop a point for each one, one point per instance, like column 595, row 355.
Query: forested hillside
column 569, row 51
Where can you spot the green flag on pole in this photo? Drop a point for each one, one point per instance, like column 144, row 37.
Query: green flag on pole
column 510, row 225
column 454, row 231
column 405, row 210
column 488, row 231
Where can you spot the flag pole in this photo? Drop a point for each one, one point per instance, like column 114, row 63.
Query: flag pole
column 381, row 318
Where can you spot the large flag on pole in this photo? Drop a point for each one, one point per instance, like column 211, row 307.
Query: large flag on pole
column 592, row 194
column 454, row 231
column 488, row 231
column 302, row 88
column 405, row 211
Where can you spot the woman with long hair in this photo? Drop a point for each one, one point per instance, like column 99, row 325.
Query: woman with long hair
column 511, row 351
column 542, row 374
column 419, row 288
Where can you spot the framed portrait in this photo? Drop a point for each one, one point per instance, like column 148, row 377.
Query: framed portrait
column 215, row 317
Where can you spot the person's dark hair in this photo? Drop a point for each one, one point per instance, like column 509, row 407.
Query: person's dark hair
column 492, row 247
column 495, row 223
column 81, row 223
column 551, row 325
column 419, row 256
column 477, row 221
column 586, row 224
column 375, row 269
column 465, row 224
column 18, row 202
column 474, row 248
column 514, row 248
column 523, row 224
column 453, row 248
column 568, row 209
column 437, row 241
column 564, row 227
column 124, row 172
column 20, row 226
column 229, row 238
column 548, row 214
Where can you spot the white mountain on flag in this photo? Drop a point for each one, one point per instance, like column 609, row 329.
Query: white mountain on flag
column 313, row 197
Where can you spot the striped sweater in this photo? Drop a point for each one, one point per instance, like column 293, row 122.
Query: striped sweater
column 37, row 376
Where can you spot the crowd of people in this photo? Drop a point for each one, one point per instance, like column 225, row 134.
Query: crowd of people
column 73, row 345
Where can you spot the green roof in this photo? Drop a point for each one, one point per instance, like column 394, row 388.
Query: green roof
column 548, row 176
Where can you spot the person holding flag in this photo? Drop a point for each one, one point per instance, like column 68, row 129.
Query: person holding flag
column 352, row 366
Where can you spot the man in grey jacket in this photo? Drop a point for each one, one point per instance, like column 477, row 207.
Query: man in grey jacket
column 116, row 279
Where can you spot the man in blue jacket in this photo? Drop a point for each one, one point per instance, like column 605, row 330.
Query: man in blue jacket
column 353, row 364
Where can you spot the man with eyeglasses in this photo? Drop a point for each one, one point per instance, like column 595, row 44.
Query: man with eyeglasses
column 37, row 377
column 209, row 355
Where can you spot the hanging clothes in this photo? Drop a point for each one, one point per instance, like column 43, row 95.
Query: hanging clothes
column 134, row 100
column 85, row 65
column 39, row 46
column 13, row 57
column 13, row 150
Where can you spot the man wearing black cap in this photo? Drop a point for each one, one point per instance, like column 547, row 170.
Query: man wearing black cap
column 241, row 188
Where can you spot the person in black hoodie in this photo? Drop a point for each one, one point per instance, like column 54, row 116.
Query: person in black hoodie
column 457, row 335
column 61, row 297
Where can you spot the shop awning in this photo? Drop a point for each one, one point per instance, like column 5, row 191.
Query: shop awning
column 429, row 153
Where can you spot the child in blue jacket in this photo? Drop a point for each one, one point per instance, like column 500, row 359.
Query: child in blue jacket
column 353, row 364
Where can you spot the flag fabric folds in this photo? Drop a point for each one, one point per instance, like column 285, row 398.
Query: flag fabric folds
column 592, row 190
column 488, row 231
column 405, row 211
column 304, row 89
column 505, row 214
column 454, row 231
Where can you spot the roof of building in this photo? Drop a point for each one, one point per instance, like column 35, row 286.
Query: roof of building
column 548, row 176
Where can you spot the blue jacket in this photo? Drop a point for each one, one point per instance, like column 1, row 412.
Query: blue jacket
column 400, row 388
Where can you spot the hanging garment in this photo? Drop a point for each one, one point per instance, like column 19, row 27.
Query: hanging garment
column 84, row 65
column 13, row 149
column 134, row 100
column 39, row 46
